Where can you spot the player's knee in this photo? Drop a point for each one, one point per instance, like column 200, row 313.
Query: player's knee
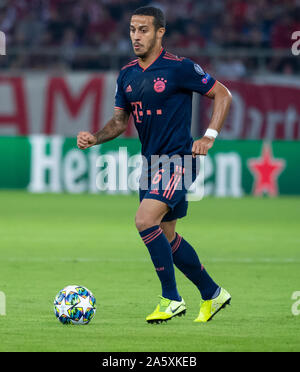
column 144, row 222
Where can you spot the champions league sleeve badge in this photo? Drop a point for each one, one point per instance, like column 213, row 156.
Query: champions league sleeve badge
column 198, row 69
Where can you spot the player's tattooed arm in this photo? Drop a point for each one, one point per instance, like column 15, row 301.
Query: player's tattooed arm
column 115, row 127
column 222, row 101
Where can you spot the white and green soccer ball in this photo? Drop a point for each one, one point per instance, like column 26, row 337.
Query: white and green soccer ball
column 74, row 304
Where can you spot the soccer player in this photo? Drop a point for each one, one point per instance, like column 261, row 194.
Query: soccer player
column 157, row 88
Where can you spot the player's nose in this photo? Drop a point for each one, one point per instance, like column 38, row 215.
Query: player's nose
column 136, row 35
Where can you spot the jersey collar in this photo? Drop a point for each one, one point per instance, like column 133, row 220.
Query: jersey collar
column 162, row 52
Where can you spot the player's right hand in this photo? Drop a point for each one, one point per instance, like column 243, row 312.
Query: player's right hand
column 86, row 140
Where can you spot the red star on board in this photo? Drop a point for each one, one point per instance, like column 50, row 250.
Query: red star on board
column 266, row 170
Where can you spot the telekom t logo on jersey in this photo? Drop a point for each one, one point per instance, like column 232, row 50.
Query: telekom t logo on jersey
column 139, row 113
column 2, row 44
column 137, row 110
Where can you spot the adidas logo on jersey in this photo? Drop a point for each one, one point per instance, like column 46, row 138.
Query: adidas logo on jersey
column 129, row 89
column 154, row 192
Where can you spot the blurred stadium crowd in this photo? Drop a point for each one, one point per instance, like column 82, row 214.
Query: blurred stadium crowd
column 53, row 32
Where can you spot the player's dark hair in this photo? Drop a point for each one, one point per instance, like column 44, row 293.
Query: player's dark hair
column 159, row 17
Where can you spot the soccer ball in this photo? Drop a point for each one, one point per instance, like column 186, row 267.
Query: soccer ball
column 74, row 305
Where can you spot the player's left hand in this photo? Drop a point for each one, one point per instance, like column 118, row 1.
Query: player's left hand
column 201, row 146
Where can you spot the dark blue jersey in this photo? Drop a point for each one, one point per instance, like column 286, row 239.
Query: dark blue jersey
column 160, row 99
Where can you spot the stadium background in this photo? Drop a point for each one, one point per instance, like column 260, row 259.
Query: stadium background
column 58, row 77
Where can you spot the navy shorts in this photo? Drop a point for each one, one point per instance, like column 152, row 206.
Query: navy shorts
column 169, row 183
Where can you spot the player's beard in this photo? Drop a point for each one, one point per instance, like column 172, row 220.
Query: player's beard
column 149, row 50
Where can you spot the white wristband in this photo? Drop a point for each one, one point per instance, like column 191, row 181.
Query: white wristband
column 211, row 133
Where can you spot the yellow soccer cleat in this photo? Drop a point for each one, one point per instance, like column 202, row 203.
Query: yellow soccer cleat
column 166, row 310
column 209, row 308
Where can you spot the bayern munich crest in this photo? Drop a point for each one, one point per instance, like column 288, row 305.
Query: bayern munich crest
column 160, row 85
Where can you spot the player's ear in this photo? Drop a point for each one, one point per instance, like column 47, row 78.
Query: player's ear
column 160, row 32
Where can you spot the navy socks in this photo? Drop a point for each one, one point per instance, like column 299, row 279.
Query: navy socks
column 161, row 255
column 183, row 255
column 187, row 261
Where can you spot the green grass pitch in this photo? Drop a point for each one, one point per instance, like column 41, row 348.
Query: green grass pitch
column 250, row 246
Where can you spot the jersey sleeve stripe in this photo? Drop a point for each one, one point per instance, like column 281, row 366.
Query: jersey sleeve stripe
column 211, row 88
column 172, row 57
column 132, row 63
